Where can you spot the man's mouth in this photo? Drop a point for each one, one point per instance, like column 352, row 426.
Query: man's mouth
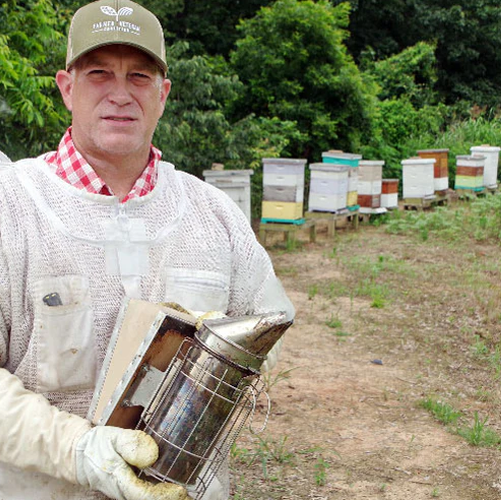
column 119, row 118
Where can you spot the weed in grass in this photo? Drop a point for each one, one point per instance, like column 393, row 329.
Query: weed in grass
column 479, row 434
column 287, row 271
column 479, row 347
column 321, row 467
column 495, row 362
column 484, row 395
column 270, row 379
column 312, row 291
column 443, row 412
column 334, row 322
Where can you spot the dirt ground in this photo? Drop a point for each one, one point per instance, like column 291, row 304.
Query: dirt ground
column 345, row 419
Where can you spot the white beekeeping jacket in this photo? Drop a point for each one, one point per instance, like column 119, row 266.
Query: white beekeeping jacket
column 185, row 242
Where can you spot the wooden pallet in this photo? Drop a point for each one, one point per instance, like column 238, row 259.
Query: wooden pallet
column 289, row 230
column 418, row 203
column 469, row 194
column 344, row 217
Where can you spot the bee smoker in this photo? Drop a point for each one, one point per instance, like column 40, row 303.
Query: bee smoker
column 205, row 397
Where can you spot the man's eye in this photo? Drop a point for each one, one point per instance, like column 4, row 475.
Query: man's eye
column 140, row 77
column 97, row 72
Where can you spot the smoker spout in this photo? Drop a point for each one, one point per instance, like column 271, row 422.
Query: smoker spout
column 256, row 334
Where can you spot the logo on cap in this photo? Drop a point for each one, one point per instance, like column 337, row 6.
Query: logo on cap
column 117, row 25
column 110, row 11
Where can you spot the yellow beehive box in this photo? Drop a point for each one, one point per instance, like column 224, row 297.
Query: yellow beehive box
column 352, row 198
column 279, row 210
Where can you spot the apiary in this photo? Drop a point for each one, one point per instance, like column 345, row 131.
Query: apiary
column 491, row 154
column 389, row 193
column 283, row 189
column 352, row 160
column 470, row 172
column 328, row 187
column 235, row 183
column 370, row 181
column 441, row 167
column 418, row 178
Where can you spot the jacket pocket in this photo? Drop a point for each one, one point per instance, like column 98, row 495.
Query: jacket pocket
column 64, row 336
column 197, row 290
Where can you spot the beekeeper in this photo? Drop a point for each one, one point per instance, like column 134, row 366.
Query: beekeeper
column 100, row 219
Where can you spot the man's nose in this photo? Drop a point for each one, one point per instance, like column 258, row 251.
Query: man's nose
column 119, row 93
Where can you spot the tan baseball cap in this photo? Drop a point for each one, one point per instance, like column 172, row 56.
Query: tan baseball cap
column 108, row 22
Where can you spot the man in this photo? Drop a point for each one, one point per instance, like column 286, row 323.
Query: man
column 82, row 228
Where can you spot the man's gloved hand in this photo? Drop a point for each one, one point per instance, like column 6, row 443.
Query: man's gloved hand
column 103, row 459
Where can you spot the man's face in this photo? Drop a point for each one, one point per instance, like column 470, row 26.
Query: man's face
column 116, row 95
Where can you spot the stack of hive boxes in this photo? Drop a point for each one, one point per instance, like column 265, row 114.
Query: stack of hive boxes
column 235, row 183
column 328, row 187
column 370, row 185
column 351, row 160
column 389, row 194
column 441, row 168
column 491, row 154
column 418, row 179
column 470, row 172
column 283, row 190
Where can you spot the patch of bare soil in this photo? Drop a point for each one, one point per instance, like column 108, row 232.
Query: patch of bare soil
column 345, row 421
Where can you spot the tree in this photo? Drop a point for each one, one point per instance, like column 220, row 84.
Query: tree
column 196, row 131
column 30, row 113
column 294, row 66
column 464, row 32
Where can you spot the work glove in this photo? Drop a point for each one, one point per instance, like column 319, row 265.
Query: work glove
column 103, row 459
column 36, row 436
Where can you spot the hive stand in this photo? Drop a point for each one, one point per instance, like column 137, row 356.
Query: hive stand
column 350, row 217
column 288, row 228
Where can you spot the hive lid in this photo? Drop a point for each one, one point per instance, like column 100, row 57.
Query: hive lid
column 485, row 148
column 443, row 150
column 285, row 161
column 330, row 167
column 418, row 161
column 371, row 163
column 341, row 155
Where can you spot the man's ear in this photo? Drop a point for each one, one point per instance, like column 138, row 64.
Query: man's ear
column 164, row 92
column 64, row 81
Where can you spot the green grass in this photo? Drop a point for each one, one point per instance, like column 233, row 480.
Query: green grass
column 476, row 434
column 443, row 412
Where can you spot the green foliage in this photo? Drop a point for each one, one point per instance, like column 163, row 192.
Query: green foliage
column 443, row 412
column 294, row 66
column 410, row 73
column 29, row 50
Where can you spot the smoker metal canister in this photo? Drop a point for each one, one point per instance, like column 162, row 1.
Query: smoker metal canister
column 206, row 401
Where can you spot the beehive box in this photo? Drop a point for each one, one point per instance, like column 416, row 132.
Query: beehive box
column 370, row 178
column 470, row 172
column 328, row 187
column 235, row 183
column 491, row 165
column 389, row 194
column 337, row 157
column 441, row 167
column 283, row 189
column 418, row 178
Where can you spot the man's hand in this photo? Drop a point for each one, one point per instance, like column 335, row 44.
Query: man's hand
column 103, row 459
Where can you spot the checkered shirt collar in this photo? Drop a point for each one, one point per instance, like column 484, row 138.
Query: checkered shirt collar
column 72, row 167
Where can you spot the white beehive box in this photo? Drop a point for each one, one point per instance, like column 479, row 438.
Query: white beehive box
column 235, row 183
column 491, row 154
column 328, row 187
column 370, row 177
column 283, row 188
column 418, row 178
column 389, row 195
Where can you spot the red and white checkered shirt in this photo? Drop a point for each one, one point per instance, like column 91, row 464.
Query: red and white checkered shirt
column 72, row 167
